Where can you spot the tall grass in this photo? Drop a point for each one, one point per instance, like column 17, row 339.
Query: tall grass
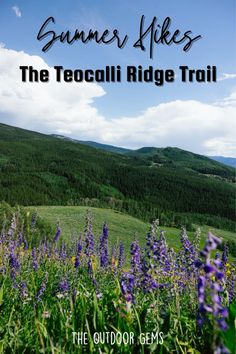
column 58, row 298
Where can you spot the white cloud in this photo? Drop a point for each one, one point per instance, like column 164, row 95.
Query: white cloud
column 16, row 10
column 227, row 77
column 68, row 109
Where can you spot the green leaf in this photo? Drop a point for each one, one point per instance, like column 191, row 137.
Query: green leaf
column 1, row 295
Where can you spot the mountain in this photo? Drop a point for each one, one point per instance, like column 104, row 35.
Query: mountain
column 161, row 153
column 106, row 147
column 174, row 185
column 229, row 161
column 175, row 157
column 111, row 148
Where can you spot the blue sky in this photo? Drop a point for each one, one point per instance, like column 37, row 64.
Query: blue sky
column 117, row 108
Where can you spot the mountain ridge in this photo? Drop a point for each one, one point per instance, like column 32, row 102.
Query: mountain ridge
column 39, row 169
column 228, row 161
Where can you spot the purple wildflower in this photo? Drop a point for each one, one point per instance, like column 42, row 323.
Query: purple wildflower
column 211, row 244
column 33, row 221
column 148, row 283
column 63, row 286
column 25, row 244
column 135, row 258
column 78, row 255
column 188, row 257
column 127, row 284
column 20, row 238
column 13, row 262
column 103, row 247
column 23, row 290
column 210, row 287
column 225, row 255
column 57, row 234
column 63, row 252
column 221, row 349
column 34, row 259
column 42, row 289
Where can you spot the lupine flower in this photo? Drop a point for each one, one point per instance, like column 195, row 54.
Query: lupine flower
column 57, row 234
column 148, row 283
column 103, row 247
column 77, row 262
column 151, row 246
column 42, row 289
column 23, row 290
column 127, row 284
column 225, row 255
column 151, row 238
column 77, row 258
column 135, row 258
column 20, row 238
column 63, row 286
column 221, row 349
column 231, row 282
column 89, row 242
column 197, row 239
column 63, row 252
column 25, row 244
column 217, row 260
column 187, row 258
column 161, row 253
column 13, row 262
column 210, row 287
column 34, row 258
column 33, row 221
column 211, row 244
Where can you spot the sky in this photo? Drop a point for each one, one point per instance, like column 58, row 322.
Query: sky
column 199, row 117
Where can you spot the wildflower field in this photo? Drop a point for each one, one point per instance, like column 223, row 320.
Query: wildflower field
column 91, row 296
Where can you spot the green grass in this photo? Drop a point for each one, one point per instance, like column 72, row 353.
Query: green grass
column 122, row 227
column 44, row 298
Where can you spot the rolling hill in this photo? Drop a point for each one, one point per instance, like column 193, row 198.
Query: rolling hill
column 175, row 157
column 151, row 152
column 174, row 185
column 110, row 148
column 122, row 228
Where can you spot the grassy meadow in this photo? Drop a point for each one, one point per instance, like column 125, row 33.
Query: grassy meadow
column 122, row 227
column 116, row 287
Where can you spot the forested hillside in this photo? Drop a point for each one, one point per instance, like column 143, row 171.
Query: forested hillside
column 37, row 169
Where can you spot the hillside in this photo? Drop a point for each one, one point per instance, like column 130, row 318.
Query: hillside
column 122, row 228
column 175, row 157
column 110, row 148
column 38, row 169
column 149, row 152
